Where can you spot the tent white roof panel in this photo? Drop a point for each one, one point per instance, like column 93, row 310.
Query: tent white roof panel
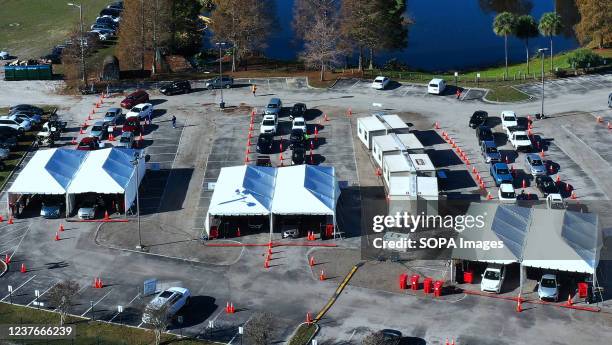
column 305, row 189
column 48, row 172
column 410, row 141
column 422, row 162
column 107, row 171
column 394, row 121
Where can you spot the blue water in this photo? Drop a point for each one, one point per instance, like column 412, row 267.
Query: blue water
column 446, row 35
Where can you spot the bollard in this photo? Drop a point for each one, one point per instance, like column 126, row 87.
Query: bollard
column 7, row 259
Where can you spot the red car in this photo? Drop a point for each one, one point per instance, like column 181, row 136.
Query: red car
column 135, row 98
column 132, row 124
column 89, row 144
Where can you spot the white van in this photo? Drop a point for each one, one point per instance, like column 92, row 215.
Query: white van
column 493, row 278
column 436, row 86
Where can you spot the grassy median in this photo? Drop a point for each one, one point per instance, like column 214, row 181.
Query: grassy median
column 303, row 334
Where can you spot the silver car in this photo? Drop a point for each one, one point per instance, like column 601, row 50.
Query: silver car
column 535, row 165
column 99, row 130
column 113, row 116
column 126, row 140
column 217, row 83
column 51, row 210
column 87, row 210
column 548, row 288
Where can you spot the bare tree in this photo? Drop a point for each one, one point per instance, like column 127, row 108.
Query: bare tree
column 158, row 318
column 259, row 330
column 321, row 45
column 62, row 295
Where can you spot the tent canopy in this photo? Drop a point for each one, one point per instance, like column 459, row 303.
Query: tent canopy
column 48, row 172
column 305, row 189
column 108, row 171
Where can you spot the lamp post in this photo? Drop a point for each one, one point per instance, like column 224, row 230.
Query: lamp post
column 541, row 51
column 221, row 44
column 136, row 163
column 81, row 33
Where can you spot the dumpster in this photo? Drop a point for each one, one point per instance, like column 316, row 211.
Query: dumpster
column 403, row 280
column 438, row 288
column 582, row 289
column 414, row 282
column 427, row 285
column 32, row 72
column 468, row 277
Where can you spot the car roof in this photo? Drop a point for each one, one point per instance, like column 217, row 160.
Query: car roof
column 299, row 118
column 113, row 109
column 480, row 112
column 506, row 187
column 534, row 156
column 500, row 165
column 99, row 123
column 436, row 80
column 269, row 117
column 489, row 143
column 274, row 100
column 508, row 112
column 549, row 276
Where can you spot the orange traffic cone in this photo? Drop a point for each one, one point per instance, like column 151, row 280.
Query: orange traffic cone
column 325, row 117
column 10, row 221
column 23, row 268
column 61, row 227
column 232, row 309
column 227, row 307
column 308, row 319
column 311, row 262
column 1, row 219
column 569, row 300
column 57, row 236
column 7, row 259
column 519, row 307
column 106, row 217
column 322, row 276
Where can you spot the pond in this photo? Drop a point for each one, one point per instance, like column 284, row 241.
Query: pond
column 450, row 34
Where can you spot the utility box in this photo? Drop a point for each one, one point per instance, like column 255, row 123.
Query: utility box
column 583, row 290
column 468, row 277
column 403, row 281
column 438, row 288
column 33, row 72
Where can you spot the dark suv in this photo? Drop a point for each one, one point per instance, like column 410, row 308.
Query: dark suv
column 484, row 133
column 135, row 98
column 175, row 87
column 219, row 82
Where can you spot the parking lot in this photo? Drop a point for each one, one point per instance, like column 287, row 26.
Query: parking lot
column 180, row 169
column 559, row 88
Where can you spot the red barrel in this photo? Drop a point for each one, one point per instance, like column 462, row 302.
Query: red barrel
column 582, row 289
column 414, row 282
column 438, row 288
column 427, row 284
column 468, row 277
column 403, row 280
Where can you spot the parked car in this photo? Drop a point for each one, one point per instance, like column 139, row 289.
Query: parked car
column 299, row 123
column 546, row 185
column 297, row 138
column 436, row 86
column 25, row 108
column 142, row 111
column 132, row 124
column 610, row 100
column 548, row 287
column 103, row 26
column 22, row 121
column 5, row 121
column 269, row 124
column 117, row 5
column 51, row 207
column 265, row 143
column 175, row 87
column 493, row 278
column 290, row 230
column 113, row 116
column 484, row 133
column 134, row 98
column 4, row 153
column 99, row 130
column 107, row 22
column 8, row 141
column 506, row 192
column 219, row 82
column 4, row 55
column 298, row 155
column 298, row 110
column 489, row 151
column 274, row 107
column 535, row 165
column 114, row 14
column 34, row 119
column 508, row 119
column 126, row 140
column 500, row 173
column 479, row 118
column 380, row 83
column 173, row 299
column 89, row 209
column 89, row 144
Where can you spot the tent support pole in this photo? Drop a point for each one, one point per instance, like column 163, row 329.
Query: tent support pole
column 521, row 278
column 271, row 225
column 452, row 271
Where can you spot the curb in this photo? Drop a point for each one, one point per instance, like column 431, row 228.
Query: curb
column 317, row 328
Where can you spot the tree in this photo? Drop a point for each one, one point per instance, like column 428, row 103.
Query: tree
column 583, row 58
column 259, row 330
column 356, row 26
column 503, row 25
column 245, row 24
column 62, row 296
column 595, row 22
column 379, row 338
column 525, row 29
column 550, row 25
column 186, row 32
column 158, row 319
column 321, row 44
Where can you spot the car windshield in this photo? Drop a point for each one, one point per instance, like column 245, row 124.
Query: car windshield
column 272, row 106
column 521, row 137
column 491, row 149
column 379, row 80
column 124, row 139
column 509, row 118
column 268, row 122
column 492, row 275
column 264, row 138
column 536, row 162
column 433, row 85
column 549, row 283
column 165, row 294
column 111, row 115
column 508, row 195
column 298, row 123
column 502, row 171
column 96, row 128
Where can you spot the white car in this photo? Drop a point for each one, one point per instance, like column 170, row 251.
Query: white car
column 173, row 298
column 23, row 122
column 4, row 55
column 380, row 83
column 436, row 86
column 548, row 288
column 299, row 123
column 5, row 121
column 269, row 124
column 519, row 140
column 506, row 192
column 142, row 110
column 493, row 278
column 508, row 119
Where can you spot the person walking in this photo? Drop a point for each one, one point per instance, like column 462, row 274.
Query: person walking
column 253, row 89
column 458, row 93
column 173, row 121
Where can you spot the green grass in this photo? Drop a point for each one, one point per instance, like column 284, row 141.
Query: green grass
column 29, row 28
column 87, row 332
column 303, row 334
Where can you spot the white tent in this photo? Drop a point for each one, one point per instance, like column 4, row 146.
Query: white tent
column 48, row 172
column 305, row 189
column 109, row 171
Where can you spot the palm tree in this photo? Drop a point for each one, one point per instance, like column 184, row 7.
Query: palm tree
column 503, row 25
column 550, row 25
column 526, row 28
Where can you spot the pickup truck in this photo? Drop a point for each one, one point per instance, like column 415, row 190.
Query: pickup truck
column 519, row 139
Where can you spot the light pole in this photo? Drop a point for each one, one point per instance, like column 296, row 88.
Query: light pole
column 81, row 41
column 541, row 52
column 136, row 163
column 221, row 44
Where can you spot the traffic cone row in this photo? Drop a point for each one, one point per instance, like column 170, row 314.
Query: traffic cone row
column 311, row 236
column 98, row 283
column 451, row 343
column 229, row 308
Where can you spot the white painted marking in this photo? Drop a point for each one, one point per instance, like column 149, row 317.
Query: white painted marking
column 42, row 294
column 88, row 309
column 19, row 287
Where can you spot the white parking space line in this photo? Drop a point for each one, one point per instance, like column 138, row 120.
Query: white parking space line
column 352, row 86
column 44, row 292
column 235, row 335
column 19, row 244
column 140, row 324
column 7, row 250
column 132, row 301
column 88, row 309
column 19, row 287
column 577, row 82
